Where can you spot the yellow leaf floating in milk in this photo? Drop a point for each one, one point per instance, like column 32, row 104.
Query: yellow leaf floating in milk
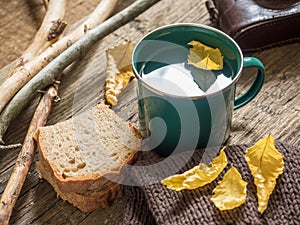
column 205, row 57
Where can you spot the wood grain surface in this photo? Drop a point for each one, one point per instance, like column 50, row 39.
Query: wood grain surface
column 274, row 111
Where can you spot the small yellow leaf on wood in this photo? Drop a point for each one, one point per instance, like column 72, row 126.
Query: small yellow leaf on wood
column 198, row 176
column 230, row 192
column 205, row 57
column 119, row 72
column 266, row 164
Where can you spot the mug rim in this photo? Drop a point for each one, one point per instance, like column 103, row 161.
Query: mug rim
column 161, row 93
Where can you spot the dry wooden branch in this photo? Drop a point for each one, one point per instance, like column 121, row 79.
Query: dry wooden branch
column 26, row 156
column 48, row 73
column 49, row 27
column 10, row 147
column 13, row 84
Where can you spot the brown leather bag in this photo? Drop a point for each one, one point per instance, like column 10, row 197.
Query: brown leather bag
column 257, row 24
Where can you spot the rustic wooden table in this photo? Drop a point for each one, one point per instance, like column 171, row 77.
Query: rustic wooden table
column 274, row 111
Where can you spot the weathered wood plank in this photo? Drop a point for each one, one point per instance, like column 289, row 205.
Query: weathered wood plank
column 275, row 110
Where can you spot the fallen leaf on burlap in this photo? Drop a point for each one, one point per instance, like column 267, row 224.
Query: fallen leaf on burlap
column 205, row 57
column 231, row 191
column 198, row 176
column 266, row 164
column 119, row 71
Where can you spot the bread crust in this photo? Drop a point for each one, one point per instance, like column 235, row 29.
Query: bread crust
column 86, row 202
column 87, row 184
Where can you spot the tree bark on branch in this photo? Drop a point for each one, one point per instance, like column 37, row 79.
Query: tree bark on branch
column 51, row 27
column 55, row 67
column 26, row 72
column 26, row 156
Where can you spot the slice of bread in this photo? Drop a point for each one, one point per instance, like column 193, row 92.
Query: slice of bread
column 86, row 202
column 86, row 150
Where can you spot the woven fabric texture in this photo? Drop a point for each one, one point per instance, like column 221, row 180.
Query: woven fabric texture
column 154, row 204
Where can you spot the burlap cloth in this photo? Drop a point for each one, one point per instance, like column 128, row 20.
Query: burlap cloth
column 155, row 204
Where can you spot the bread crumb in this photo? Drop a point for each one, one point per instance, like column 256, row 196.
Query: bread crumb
column 72, row 160
column 74, row 169
column 113, row 153
column 81, row 165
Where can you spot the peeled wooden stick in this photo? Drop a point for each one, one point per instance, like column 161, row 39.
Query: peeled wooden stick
column 51, row 27
column 48, row 73
column 13, row 84
column 26, row 155
column 10, row 147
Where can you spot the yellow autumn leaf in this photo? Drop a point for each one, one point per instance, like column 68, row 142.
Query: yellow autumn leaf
column 205, row 57
column 266, row 164
column 119, row 72
column 198, row 176
column 231, row 191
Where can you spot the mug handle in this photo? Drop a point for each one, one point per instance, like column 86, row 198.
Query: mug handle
column 256, row 85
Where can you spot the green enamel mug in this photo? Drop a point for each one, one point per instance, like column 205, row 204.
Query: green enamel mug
column 182, row 107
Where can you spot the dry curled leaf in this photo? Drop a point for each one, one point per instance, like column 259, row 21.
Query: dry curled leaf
column 231, row 191
column 119, row 72
column 198, row 176
column 266, row 164
column 205, row 57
